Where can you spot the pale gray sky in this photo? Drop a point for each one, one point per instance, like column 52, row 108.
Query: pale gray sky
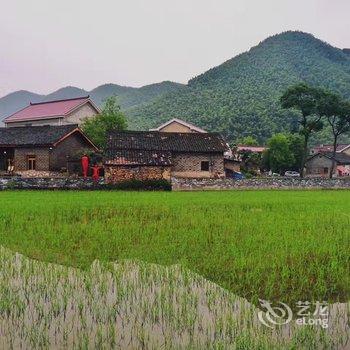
column 48, row 44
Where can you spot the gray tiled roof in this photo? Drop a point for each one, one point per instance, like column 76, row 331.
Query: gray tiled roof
column 138, row 157
column 340, row 158
column 165, row 141
column 33, row 135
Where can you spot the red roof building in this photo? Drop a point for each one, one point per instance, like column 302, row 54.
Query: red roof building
column 254, row 149
column 329, row 148
column 59, row 112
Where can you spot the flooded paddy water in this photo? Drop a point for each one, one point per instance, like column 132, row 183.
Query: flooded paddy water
column 134, row 305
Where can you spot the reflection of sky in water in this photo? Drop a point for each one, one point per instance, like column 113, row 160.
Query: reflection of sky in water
column 131, row 305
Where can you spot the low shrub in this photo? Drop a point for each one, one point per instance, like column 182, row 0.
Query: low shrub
column 141, row 185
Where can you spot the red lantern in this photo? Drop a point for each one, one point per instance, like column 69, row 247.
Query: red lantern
column 85, row 165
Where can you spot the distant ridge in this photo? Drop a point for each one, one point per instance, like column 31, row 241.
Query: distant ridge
column 128, row 96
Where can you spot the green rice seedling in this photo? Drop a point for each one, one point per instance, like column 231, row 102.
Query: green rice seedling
column 193, row 313
column 275, row 245
column 174, row 253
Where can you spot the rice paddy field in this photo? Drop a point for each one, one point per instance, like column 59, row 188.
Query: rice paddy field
column 171, row 270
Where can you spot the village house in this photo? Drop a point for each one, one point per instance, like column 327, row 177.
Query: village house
column 232, row 166
column 40, row 149
column 341, row 148
column 146, row 155
column 59, row 112
column 248, row 157
column 178, row 125
column 320, row 164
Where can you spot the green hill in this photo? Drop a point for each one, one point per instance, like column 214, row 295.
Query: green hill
column 240, row 97
column 130, row 97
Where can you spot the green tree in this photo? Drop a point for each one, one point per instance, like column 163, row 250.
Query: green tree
column 279, row 157
column 337, row 113
column 248, row 141
column 296, row 146
column 111, row 118
column 305, row 99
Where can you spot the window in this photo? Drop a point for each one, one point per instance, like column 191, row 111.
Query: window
column 205, row 166
column 31, row 162
column 325, row 170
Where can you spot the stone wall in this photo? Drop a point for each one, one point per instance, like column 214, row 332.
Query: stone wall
column 42, row 158
column 188, row 165
column 319, row 165
column 118, row 173
column 181, row 184
column 49, row 183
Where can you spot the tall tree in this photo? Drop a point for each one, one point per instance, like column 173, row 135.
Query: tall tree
column 295, row 142
column 334, row 108
column 111, row 118
column 305, row 99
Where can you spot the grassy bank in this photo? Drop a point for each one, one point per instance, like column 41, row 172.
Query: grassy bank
column 289, row 246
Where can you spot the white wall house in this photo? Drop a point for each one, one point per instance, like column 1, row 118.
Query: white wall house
column 59, row 112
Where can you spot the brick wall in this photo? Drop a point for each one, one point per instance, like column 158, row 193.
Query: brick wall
column 42, row 158
column 117, row 173
column 68, row 147
column 189, row 165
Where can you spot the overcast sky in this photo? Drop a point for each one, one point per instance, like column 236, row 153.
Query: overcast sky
column 48, row 44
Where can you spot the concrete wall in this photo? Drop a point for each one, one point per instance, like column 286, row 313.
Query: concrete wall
column 188, row 165
column 176, row 127
column 51, row 121
column 77, row 116
column 119, row 173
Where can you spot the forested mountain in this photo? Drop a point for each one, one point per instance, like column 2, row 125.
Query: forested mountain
column 128, row 96
column 238, row 98
column 241, row 96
